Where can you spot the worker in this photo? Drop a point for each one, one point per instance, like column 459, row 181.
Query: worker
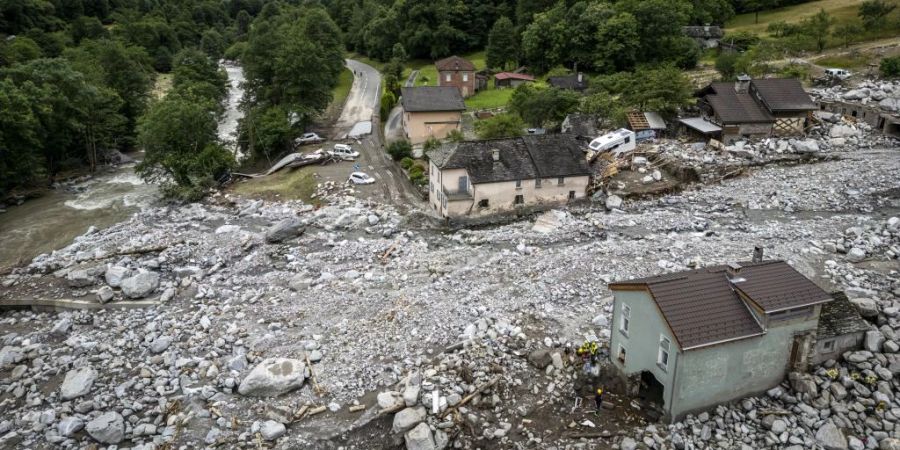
column 598, row 399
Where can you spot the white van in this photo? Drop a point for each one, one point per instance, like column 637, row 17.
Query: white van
column 619, row 141
column 345, row 152
column 841, row 74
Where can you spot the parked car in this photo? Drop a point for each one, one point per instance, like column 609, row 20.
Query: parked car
column 345, row 152
column 309, row 138
column 841, row 74
column 360, row 178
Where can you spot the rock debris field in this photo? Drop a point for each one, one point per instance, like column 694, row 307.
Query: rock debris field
column 356, row 325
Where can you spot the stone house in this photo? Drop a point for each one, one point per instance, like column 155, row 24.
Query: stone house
column 480, row 178
column 457, row 72
column 430, row 111
column 841, row 329
column 760, row 108
column 690, row 340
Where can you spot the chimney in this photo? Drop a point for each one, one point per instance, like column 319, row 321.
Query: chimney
column 757, row 254
column 734, row 269
column 496, row 154
column 742, row 85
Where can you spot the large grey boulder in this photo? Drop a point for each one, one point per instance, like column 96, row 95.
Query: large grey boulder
column 79, row 278
column 830, row 437
column 613, row 202
column 286, row 229
column 69, row 426
column 114, row 275
column 628, row 444
column 540, row 358
column 408, row 418
column 78, row 382
column 271, row 430
column 874, row 341
column 889, row 444
column 140, row 285
column 856, row 254
column 108, row 428
column 274, row 376
column 806, row 146
column 867, row 307
column 160, row 344
column 10, row 356
column 419, row 438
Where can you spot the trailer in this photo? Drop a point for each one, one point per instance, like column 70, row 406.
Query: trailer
column 618, row 142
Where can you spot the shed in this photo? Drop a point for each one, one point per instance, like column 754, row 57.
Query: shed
column 646, row 125
column 700, row 128
column 511, row 79
column 841, row 329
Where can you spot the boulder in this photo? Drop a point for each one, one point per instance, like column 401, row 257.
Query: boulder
column 274, row 376
column 271, row 430
column 160, row 344
column 806, row 146
column 830, row 437
column 856, row 254
column 69, row 426
column 805, row 383
column 285, row 229
column 61, row 327
column 540, row 358
column 114, row 275
column 105, row 294
column 140, row 285
column 389, row 400
column 628, row 444
column 867, row 307
column 890, row 104
column 79, row 278
column 406, row 419
column 108, row 428
column 613, row 202
column 78, row 382
column 889, row 444
column 419, row 438
column 10, row 356
column 874, row 341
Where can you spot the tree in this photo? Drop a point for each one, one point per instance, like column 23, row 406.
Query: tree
column 660, row 23
column 848, row 33
column 711, row 12
column 181, row 149
column 664, row 89
column 726, row 63
column 602, row 105
column 19, row 50
column 818, row 27
column 21, row 161
column 213, row 44
column 890, row 67
column 542, row 107
column 545, row 41
column 618, row 42
column 874, row 12
column 756, row 6
column 87, row 28
column 266, row 133
column 399, row 150
column 502, row 47
column 500, row 126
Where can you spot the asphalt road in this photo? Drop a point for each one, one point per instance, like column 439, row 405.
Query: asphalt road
column 391, row 184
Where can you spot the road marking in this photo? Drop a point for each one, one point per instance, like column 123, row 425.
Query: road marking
column 371, row 168
column 377, row 175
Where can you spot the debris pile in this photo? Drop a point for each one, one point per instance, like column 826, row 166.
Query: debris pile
column 873, row 239
column 884, row 94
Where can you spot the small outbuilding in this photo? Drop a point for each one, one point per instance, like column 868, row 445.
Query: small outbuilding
column 841, row 329
column 574, row 82
column 646, row 125
column 511, row 79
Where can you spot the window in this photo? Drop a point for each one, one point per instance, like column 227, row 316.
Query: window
column 520, row 199
column 537, row 182
column 518, row 184
column 483, row 203
column 561, row 181
column 662, row 360
column 627, row 139
column 625, row 320
column 447, row 76
column 621, row 355
column 828, row 345
column 571, row 195
column 465, row 77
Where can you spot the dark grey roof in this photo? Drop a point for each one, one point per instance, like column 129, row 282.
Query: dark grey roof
column 704, row 32
column 783, row 94
column 569, row 82
column 521, row 158
column 736, row 107
column 703, row 307
column 431, row 98
column 839, row 317
column 580, row 124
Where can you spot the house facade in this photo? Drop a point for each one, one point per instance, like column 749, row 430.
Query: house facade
column 690, row 340
column 430, row 111
column 479, row 178
column 457, row 72
column 751, row 108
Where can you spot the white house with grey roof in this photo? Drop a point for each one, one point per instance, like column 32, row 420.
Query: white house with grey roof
column 690, row 340
column 430, row 112
column 479, row 178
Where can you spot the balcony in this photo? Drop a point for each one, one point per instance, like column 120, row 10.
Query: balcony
column 457, row 196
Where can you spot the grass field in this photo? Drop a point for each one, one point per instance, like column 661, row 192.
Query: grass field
column 842, row 10
column 489, row 98
column 342, row 90
column 284, row 185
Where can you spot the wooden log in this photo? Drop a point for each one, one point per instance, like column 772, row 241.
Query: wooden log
column 317, row 410
column 469, row 397
column 357, row 408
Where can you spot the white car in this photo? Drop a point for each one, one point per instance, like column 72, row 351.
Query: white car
column 840, row 74
column 309, row 138
column 360, row 178
column 344, row 152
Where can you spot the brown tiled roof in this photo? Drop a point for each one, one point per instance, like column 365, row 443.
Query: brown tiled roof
column 454, row 63
column 702, row 307
column 734, row 107
column 514, row 76
column 783, row 94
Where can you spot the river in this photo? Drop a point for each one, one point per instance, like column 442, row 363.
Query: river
column 51, row 222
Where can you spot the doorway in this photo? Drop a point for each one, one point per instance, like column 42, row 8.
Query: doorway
column 651, row 390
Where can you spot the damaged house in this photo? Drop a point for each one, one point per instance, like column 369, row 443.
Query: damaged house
column 760, row 108
column 479, row 178
column 690, row 340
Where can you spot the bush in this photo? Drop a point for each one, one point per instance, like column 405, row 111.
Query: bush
column 399, row 150
column 500, row 126
column 417, row 175
column 388, row 100
column 406, row 163
column 236, row 51
column 431, row 144
column 455, row 136
column 890, row 67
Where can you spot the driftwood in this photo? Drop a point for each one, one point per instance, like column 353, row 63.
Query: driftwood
column 357, row 408
column 312, row 376
column 388, row 252
column 139, row 250
column 316, row 410
column 588, row 435
column 469, row 397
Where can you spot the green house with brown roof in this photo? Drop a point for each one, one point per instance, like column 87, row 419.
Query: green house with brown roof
column 690, row 340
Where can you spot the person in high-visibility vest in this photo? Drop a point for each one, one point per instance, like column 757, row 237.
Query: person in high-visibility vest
column 598, row 399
